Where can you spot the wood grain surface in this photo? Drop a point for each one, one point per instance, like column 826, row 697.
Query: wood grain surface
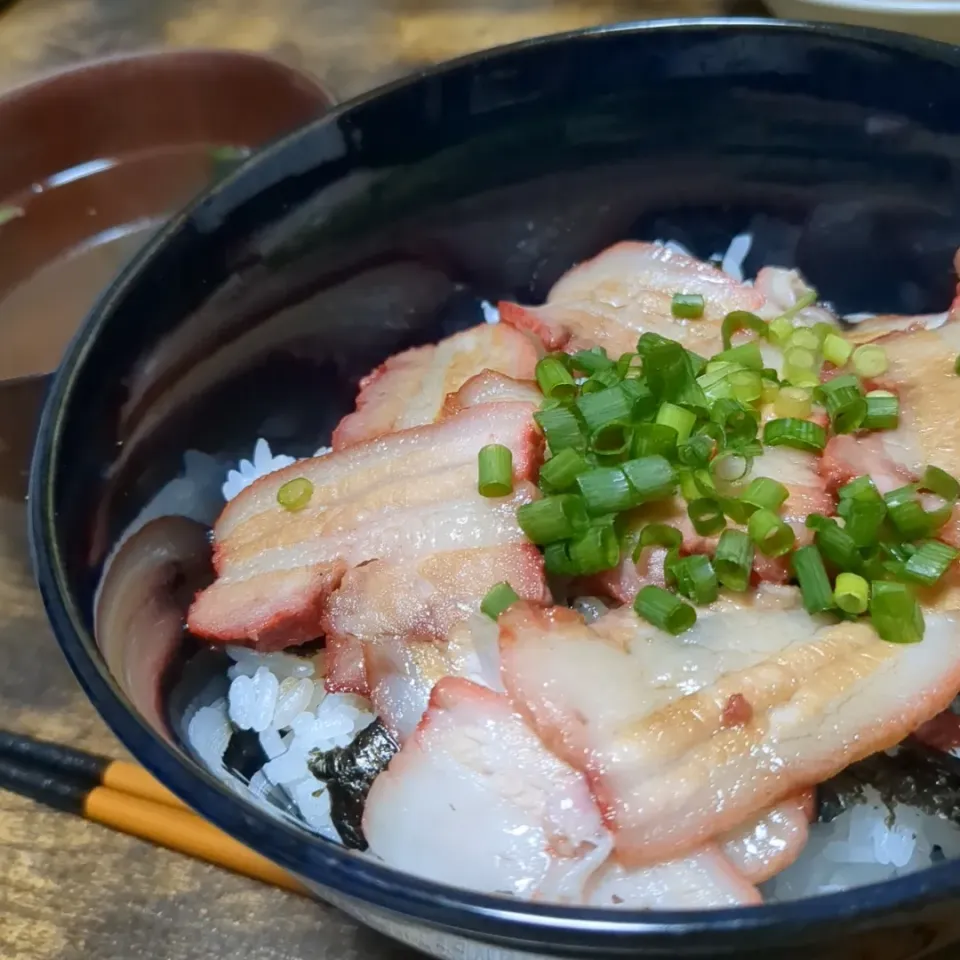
column 69, row 889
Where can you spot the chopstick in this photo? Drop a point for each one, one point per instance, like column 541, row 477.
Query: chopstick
column 89, row 767
column 73, row 782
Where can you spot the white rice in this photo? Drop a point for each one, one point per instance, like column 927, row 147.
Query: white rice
column 490, row 313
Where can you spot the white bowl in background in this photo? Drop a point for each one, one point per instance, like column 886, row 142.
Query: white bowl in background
column 938, row 19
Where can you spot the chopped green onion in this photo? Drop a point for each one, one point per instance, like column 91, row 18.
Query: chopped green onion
column 556, row 559
column 715, row 382
column 823, row 330
column 798, row 361
column 562, row 429
column 861, row 486
column 773, row 536
column 733, row 560
column 696, row 579
column 808, row 299
column 943, row 484
column 769, row 392
column 806, row 339
column 644, row 404
column 601, row 380
column 731, row 466
column 606, row 490
column 652, row 478
column 495, row 470
column 594, row 551
column 706, row 515
column 747, row 386
column 736, row 419
column 627, row 363
column 612, row 441
column 812, row 577
column 295, row 494
column 553, row 518
column 591, row 361
column 682, row 421
column 869, row 361
column 669, row 372
column 794, row 402
column 930, row 562
column 956, row 364
column 765, row 494
column 836, row 350
column 554, row 379
column 895, row 613
column 746, row 355
column 908, row 515
column 741, row 320
column 780, row 330
column 863, row 512
column 664, row 610
column 561, row 471
column 790, row 432
column 835, row 543
column 687, row 306
column 657, row 535
column 654, row 438
column 883, row 411
column 845, row 403
column 697, row 451
column 605, row 406
column 851, row 593
column 499, row 597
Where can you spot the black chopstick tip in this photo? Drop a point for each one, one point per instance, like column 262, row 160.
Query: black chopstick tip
column 43, row 785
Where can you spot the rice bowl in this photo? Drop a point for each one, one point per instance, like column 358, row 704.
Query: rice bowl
column 256, row 713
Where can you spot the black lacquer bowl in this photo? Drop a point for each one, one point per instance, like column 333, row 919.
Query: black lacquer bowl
column 384, row 225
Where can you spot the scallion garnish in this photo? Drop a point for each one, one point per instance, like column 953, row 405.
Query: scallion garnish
column 605, row 406
column 835, row 543
column 591, row 361
column 765, row 494
column 499, row 597
column 836, row 350
column 943, row 484
column 612, row 441
column 697, row 451
column 654, row 438
column 295, row 494
column 594, row 551
column 733, row 560
column 930, row 562
column 908, row 516
column 495, row 463
column 869, row 361
column 895, row 613
column 772, row 535
column 556, row 559
column 606, row 490
column 664, row 610
column 553, row 518
column 682, row 421
column 883, row 411
column 562, row 429
column 657, row 535
column 863, row 511
column 746, row 355
column 741, row 320
column 554, row 379
column 851, row 593
column 845, row 403
column 560, row 472
column 687, row 306
column 696, row 579
column 706, row 515
column 812, row 577
column 652, row 478
column 790, row 432
column 793, row 402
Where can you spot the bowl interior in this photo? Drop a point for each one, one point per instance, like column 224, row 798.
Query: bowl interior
column 387, row 225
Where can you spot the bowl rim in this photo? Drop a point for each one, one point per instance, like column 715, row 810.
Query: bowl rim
column 363, row 880
column 893, row 8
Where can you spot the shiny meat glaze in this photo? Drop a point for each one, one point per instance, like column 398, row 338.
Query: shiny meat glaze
column 491, row 387
column 474, row 799
column 646, row 715
column 409, row 389
column 627, row 290
column 406, row 499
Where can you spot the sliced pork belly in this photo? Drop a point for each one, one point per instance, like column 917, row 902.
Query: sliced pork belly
column 491, row 387
column 921, row 373
column 627, row 290
column 408, row 500
column 771, row 842
column 650, row 718
column 409, row 389
column 474, row 799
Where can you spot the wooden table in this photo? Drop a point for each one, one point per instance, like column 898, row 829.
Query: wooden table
column 71, row 890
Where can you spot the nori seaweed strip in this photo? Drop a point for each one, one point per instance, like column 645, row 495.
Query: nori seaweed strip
column 916, row 775
column 349, row 773
column 244, row 754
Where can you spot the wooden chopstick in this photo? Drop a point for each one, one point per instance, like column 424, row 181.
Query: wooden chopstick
column 171, row 826
column 91, row 767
